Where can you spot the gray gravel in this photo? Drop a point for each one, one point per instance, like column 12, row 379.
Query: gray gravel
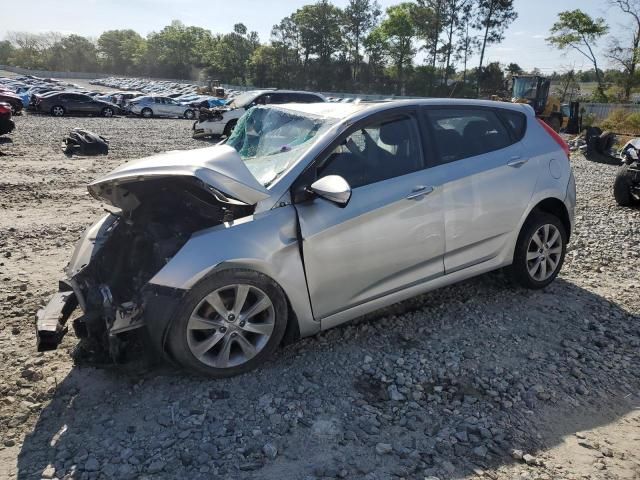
column 478, row 380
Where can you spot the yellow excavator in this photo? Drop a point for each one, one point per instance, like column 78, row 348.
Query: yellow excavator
column 213, row 87
column 534, row 90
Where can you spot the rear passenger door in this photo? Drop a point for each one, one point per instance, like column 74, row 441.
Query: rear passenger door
column 486, row 178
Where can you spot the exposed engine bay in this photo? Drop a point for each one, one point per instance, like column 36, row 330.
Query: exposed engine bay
column 129, row 249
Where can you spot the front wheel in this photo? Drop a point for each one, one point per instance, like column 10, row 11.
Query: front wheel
column 107, row 112
column 229, row 323
column 57, row 111
column 229, row 128
column 189, row 114
column 147, row 113
column 540, row 251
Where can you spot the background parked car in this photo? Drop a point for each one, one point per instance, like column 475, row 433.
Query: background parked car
column 6, row 124
column 63, row 103
column 160, row 107
column 12, row 99
column 237, row 107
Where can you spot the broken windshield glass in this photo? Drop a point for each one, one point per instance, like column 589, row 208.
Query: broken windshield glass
column 271, row 139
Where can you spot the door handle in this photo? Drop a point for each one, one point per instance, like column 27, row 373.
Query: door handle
column 517, row 162
column 420, row 192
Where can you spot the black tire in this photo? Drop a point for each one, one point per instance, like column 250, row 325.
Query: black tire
column 58, row 111
column 107, row 112
column 520, row 269
column 228, row 129
column 178, row 342
column 622, row 187
column 146, row 112
column 189, row 114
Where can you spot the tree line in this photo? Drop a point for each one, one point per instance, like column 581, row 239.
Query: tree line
column 419, row 47
column 319, row 46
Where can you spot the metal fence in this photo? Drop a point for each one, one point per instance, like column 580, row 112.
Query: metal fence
column 600, row 111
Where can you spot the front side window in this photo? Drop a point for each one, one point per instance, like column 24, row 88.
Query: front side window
column 272, row 139
column 377, row 152
column 465, row 133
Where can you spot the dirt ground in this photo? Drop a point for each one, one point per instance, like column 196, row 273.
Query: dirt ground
column 550, row 380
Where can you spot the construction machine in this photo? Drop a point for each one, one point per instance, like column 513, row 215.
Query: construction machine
column 213, row 88
column 534, row 90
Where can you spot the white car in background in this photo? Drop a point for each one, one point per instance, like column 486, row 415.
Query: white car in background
column 156, row 106
column 231, row 113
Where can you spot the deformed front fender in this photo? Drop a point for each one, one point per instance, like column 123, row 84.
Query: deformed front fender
column 266, row 243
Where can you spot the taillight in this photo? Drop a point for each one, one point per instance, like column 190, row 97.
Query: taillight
column 559, row 140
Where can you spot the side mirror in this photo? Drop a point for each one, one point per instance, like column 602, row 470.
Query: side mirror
column 333, row 188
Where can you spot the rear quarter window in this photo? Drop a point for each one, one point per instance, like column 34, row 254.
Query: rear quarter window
column 461, row 133
column 516, row 121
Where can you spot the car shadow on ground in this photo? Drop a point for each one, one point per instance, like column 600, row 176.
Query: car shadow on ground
column 515, row 368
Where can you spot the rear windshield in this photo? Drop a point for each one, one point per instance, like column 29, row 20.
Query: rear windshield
column 272, row 139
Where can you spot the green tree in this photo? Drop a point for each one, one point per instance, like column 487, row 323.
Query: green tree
column 121, row 51
column 6, row 51
column 320, row 35
column 491, row 80
column 285, row 39
column 493, row 18
column 627, row 57
column 398, row 32
column 579, row 31
column 360, row 17
column 514, row 69
column 265, row 67
column 229, row 57
column 177, row 49
column 73, row 53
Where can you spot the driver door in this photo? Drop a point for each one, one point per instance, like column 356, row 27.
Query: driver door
column 389, row 236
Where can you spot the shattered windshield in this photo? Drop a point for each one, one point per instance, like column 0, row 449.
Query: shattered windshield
column 270, row 140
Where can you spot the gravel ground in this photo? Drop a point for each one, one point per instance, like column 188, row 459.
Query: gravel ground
column 478, row 380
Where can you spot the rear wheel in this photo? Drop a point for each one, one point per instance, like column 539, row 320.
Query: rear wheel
column 147, row 112
column 57, row 111
column 189, row 114
column 622, row 187
column 229, row 323
column 540, row 251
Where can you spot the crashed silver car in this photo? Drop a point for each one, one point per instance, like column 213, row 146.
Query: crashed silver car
column 309, row 216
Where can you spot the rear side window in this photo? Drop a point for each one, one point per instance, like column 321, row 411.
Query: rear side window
column 463, row 133
column 516, row 121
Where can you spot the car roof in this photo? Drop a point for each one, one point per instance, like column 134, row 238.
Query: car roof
column 347, row 110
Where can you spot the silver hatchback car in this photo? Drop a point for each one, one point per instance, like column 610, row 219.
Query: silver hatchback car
column 308, row 216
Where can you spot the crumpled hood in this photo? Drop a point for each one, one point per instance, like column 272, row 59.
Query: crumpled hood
column 219, row 168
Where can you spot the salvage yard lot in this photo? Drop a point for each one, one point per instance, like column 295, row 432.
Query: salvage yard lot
column 447, row 385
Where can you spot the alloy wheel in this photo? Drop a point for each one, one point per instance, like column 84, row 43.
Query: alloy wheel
column 230, row 326
column 107, row 112
column 544, row 252
column 57, row 111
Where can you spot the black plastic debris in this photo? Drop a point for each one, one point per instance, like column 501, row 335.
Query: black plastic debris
column 84, row 142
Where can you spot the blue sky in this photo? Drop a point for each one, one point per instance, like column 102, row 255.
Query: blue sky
column 524, row 43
